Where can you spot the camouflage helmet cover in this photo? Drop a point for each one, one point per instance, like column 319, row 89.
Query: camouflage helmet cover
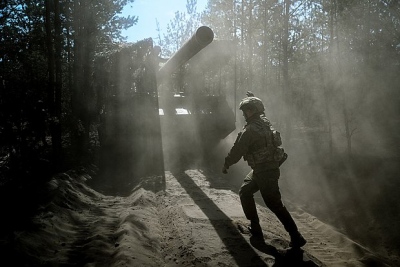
column 252, row 101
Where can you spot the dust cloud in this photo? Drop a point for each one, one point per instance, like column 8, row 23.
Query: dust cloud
column 339, row 122
column 338, row 118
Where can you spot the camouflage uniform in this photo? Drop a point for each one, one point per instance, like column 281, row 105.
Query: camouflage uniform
column 263, row 176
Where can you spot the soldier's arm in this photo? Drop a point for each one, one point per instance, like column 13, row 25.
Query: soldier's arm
column 239, row 149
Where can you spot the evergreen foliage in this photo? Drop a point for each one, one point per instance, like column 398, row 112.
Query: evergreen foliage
column 47, row 53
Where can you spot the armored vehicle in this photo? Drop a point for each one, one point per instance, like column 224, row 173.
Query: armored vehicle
column 159, row 112
column 193, row 118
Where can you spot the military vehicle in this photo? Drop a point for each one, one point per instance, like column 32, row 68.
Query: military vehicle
column 155, row 113
column 193, row 120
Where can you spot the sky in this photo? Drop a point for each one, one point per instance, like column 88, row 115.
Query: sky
column 150, row 10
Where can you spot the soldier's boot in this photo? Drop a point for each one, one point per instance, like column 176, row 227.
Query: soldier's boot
column 255, row 229
column 296, row 240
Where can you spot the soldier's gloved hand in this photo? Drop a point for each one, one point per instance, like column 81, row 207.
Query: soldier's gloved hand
column 249, row 93
column 224, row 169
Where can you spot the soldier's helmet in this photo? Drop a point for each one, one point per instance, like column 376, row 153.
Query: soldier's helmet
column 252, row 101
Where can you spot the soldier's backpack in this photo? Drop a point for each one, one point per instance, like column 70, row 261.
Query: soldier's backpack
column 272, row 152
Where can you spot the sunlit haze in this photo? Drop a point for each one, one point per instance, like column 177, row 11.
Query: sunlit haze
column 200, row 133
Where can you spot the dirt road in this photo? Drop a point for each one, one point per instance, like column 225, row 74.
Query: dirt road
column 196, row 221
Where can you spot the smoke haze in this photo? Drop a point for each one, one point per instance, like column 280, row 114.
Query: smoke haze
column 333, row 94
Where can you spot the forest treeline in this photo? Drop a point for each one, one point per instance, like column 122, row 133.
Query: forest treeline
column 327, row 65
column 330, row 65
column 48, row 99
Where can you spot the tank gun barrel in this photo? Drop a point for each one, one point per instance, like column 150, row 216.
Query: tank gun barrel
column 200, row 39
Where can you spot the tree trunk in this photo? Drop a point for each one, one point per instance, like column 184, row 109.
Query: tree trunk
column 250, row 46
column 342, row 91
column 57, row 149
column 285, row 70
column 235, row 80
column 332, row 13
column 77, row 129
column 55, row 77
column 242, row 32
column 88, row 96
column 264, row 68
column 327, row 110
column 50, row 59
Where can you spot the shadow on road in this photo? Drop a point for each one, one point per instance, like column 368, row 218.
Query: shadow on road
column 289, row 257
column 241, row 250
column 243, row 255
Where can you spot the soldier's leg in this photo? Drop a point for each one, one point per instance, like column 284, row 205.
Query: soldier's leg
column 246, row 193
column 269, row 188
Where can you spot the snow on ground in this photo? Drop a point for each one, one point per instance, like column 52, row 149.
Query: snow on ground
column 196, row 221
